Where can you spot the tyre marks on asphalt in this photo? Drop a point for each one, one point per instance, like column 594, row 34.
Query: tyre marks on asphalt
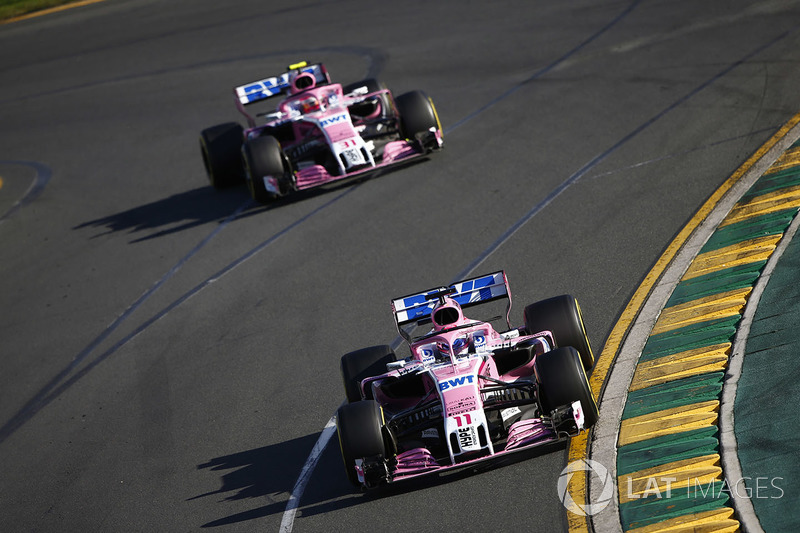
column 39, row 182
column 71, row 373
column 669, row 435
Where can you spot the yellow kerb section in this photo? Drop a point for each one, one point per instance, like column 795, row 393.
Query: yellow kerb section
column 790, row 158
column 764, row 204
column 668, row 422
column 578, row 446
column 702, row 310
column 51, row 10
column 681, row 365
column 752, row 251
column 670, row 480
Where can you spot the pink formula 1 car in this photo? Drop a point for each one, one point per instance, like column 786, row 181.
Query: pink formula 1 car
column 321, row 132
column 468, row 393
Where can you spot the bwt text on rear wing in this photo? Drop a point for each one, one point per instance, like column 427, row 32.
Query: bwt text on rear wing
column 417, row 308
column 268, row 87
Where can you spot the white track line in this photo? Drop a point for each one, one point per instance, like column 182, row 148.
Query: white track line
column 287, row 523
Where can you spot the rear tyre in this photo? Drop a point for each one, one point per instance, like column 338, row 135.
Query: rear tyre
column 221, row 147
column 263, row 157
column 561, row 316
column 361, row 364
column 562, row 380
column 417, row 114
column 360, row 429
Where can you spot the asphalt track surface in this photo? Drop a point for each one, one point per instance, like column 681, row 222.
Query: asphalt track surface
column 170, row 353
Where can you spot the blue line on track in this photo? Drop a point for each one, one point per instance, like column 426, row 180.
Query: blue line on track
column 57, row 385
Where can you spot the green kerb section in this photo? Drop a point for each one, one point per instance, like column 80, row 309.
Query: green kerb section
column 667, row 449
column 730, row 279
column 773, row 182
column 686, row 391
column 681, row 501
column 752, row 228
column 690, row 337
column 655, row 452
column 766, row 413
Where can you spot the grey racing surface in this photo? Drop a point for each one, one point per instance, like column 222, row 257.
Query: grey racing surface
column 170, row 353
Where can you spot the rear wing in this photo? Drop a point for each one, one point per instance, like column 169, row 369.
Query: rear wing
column 416, row 308
column 268, row 87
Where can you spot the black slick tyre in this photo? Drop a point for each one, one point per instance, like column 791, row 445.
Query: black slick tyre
column 360, row 429
column 361, row 364
column 562, row 380
column 417, row 113
column 221, row 147
column 561, row 315
column 263, row 157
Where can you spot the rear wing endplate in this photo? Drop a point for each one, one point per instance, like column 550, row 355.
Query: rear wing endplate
column 415, row 308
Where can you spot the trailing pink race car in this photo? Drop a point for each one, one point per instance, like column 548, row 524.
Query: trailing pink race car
column 468, row 393
column 319, row 133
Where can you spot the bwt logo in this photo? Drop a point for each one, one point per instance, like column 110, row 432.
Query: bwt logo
column 333, row 120
column 453, row 383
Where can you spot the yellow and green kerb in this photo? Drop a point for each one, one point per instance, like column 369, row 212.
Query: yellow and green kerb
column 669, row 469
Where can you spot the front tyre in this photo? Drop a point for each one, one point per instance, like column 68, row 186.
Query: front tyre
column 417, row 114
column 561, row 315
column 562, row 380
column 221, row 147
column 264, row 160
column 360, row 429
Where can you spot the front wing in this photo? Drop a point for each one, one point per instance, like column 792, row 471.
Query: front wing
column 394, row 153
column 563, row 424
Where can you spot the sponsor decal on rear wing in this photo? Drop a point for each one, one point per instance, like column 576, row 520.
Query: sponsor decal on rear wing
column 268, row 87
column 417, row 307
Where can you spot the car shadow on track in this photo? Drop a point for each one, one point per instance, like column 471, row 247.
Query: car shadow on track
column 199, row 206
column 172, row 214
column 273, row 470
column 258, row 473
column 329, row 491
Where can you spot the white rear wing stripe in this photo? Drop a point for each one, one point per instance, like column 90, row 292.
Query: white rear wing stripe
column 416, row 307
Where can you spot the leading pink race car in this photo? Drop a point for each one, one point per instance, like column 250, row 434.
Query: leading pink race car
column 468, row 393
column 319, row 133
